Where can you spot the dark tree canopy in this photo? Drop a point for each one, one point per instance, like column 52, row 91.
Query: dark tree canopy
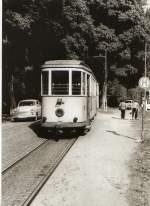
column 35, row 31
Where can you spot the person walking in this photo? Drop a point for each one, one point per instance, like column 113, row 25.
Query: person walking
column 122, row 108
column 135, row 109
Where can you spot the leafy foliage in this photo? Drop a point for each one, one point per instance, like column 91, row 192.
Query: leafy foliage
column 35, row 31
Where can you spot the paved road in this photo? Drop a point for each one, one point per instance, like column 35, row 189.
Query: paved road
column 95, row 171
column 18, row 138
column 39, row 157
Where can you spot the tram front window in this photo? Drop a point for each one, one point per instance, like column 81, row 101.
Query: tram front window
column 60, row 82
column 76, row 83
column 45, row 82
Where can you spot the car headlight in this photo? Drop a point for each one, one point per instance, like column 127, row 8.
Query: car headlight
column 14, row 111
column 32, row 111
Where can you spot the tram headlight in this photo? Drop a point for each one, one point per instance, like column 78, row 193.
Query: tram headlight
column 59, row 112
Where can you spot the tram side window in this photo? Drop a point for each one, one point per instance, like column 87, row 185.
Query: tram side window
column 83, row 83
column 45, row 82
column 76, row 83
column 60, row 82
column 88, row 85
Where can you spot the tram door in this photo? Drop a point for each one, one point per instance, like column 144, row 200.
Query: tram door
column 88, row 98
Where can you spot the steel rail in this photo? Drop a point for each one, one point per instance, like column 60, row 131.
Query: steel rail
column 26, row 155
column 36, row 190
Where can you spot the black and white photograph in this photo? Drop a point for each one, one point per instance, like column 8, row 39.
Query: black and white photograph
column 75, row 106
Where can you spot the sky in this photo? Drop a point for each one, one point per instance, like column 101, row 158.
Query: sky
column 147, row 6
column 148, row 2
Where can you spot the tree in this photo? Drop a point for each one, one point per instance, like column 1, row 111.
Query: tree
column 35, row 31
column 122, row 28
column 116, row 92
column 78, row 29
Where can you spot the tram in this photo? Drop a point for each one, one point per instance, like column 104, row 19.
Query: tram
column 70, row 95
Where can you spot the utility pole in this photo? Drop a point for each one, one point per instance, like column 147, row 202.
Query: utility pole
column 145, row 72
column 145, row 59
column 105, row 84
column 104, row 97
column 144, row 103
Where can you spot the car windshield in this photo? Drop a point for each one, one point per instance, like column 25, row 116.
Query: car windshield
column 128, row 101
column 27, row 103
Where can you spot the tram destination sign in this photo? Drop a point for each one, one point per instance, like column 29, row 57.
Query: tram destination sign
column 144, row 82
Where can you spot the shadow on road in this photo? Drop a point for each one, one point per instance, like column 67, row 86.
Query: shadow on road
column 116, row 117
column 118, row 134
column 55, row 135
column 121, row 119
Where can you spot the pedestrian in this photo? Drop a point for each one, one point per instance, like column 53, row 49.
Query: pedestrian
column 122, row 108
column 135, row 109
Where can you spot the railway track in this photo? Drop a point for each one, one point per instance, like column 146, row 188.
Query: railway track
column 42, row 182
column 23, row 157
column 22, row 180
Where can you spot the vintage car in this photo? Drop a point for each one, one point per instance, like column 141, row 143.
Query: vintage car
column 27, row 109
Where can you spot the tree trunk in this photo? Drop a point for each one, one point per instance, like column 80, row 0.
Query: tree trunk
column 12, row 95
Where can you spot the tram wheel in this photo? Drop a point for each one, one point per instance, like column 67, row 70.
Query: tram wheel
column 81, row 131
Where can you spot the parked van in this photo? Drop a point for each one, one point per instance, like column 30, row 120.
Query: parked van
column 147, row 104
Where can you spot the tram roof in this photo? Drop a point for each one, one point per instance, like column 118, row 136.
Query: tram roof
column 66, row 63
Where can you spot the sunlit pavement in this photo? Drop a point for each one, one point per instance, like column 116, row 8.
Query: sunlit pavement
column 95, row 172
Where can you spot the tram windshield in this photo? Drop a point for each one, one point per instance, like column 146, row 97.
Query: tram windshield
column 60, row 82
